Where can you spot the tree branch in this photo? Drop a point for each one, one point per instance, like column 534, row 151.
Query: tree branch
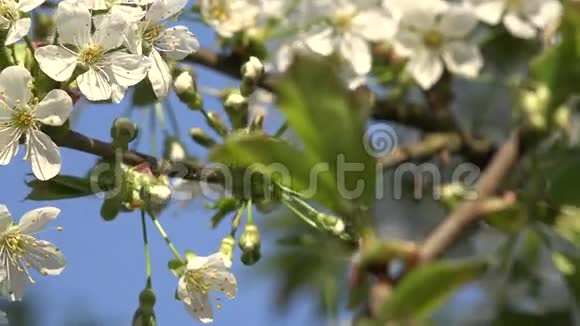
column 489, row 182
column 184, row 169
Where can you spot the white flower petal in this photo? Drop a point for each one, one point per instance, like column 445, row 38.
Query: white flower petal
column 419, row 20
column 357, row 52
column 110, row 31
column 320, row 40
column 218, row 261
column 519, row 27
column 9, row 143
column 15, row 85
column 196, row 262
column 463, row 59
column 128, row 69
column 162, row 9
column 406, row 43
column 133, row 40
column 18, row 30
column 73, row 23
column 548, row 11
column 16, row 282
column 44, row 155
column 457, row 22
column 159, row 75
column 374, row 25
column 426, row 68
column 28, row 5
column 131, row 14
column 117, row 93
column 56, row 62
column 489, row 11
column 45, row 257
column 95, row 85
column 177, row 42
column 35, row 220
column 54, row 108
column 5, row 218
column 199, row 307
column 222, row 281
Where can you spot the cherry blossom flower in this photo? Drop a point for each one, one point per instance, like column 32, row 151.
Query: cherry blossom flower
column 11, row 18
column 22, row 115
column 228, row 17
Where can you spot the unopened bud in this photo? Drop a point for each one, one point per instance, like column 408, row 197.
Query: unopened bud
column 331, row 223
column 562, row 117
column 253, row 69
column 174, row 150
column 147, row 298
column 216, row 123
column 145, row 315
column 183, row 83
column 159, row 193
column 258, row 121
column 227, row 246
column 200, row 137
column 250, row 238
column 251, row 257
column 236, row 107
column 123, row 131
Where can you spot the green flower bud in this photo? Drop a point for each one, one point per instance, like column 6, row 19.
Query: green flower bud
column 145, row 315
column 251, row 257
column 147, row 298
column 331, row 223
column 227, row 246
column 250, row 238
column 123, row 131
column 200, row 137
column 258, row 121
column 236, row 107
column 216, row 123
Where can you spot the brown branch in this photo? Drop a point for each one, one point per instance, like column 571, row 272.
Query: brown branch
column 489, row 183
column 184, row 169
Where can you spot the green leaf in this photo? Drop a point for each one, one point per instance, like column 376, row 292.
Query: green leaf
column 558, row 66
column 563, row 183
column 224, row 206
column 59, row 187
column 569, row 266
column 425, row 289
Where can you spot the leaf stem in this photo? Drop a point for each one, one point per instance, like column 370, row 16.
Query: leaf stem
column 165, row 237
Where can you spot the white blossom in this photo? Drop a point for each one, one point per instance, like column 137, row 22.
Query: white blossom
column 174, row 42
column 522, row 18
column 20, row 250
column 204, row 274
column 433, row 36
column 21, row 115
column 228, row 17
column 253, row 68
column 349, row 32
column 11, row 18
column 131, row 9
column 107, row 68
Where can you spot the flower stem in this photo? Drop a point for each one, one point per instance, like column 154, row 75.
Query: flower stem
column 165, row 237
column 236, row 220
column 147, row 253
column 249, row 218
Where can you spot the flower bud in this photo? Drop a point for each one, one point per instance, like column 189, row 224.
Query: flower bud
column 236, row 107
column 258, row 121
column 216, row 123
column 147, row 298
column 200, row 137
column 331, row 223
column 251, row 257
column 253, row 69
column 227, row 246
column 123, row 131
column 174, row 150
column 183, row 83
column 250, row 238
column 562, row 118
column 159, row 193
column 145, row 315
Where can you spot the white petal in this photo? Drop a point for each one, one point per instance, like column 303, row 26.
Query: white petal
column 15, row 85
column 35, row 220
column 9, row 143
column 45, row 257
column 28, row 5
column 222, row 281
column 44, row 155
column 519, row 27
column 133, row 39
column 463, row 59
column 54, row 108
column 457, row 22
column 110, row 31
column 162, row 9
column 549, row 10
column 177, row 42
column 426, row 68
column 16, row 282
column 95, row 85
column 489, row 11
column 56, row 62
column 373, row 25
column 418, row 20
column 321, row 41
column 73, row 23
column 199, row 307
column 406, row 43
column 356, row 51
column 5, row 218
column 18, row 30
column 117, row 93
column 219, row 261
column 128, row 69
column 131, row 14
column 159, row 75
column 196, row 262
